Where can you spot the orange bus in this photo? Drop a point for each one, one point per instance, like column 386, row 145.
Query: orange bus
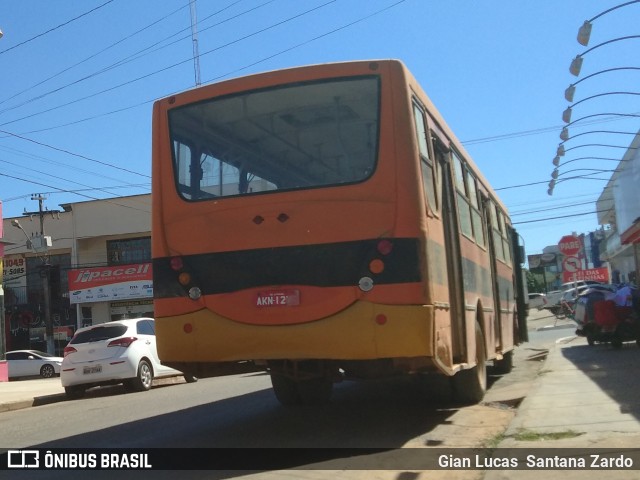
column 323, row 223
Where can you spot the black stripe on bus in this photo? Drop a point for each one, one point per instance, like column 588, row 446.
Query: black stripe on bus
column 321, row 265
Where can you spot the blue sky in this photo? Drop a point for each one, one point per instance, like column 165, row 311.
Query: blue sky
column 78, row 79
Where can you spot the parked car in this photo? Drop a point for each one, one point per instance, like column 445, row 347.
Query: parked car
column 555, row 297
column 31, row 363
column 572, row 294
column 122, row 351
column 537, row 300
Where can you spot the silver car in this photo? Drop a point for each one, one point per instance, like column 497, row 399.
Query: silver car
column 122, row 351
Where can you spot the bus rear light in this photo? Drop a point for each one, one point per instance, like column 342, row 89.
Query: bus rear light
column 176, row 263
column 184, row 279
column 187, row 328
column 366, row 284
column 385, row 247
column 381, row 319
column 376, row 266
column 195, row 293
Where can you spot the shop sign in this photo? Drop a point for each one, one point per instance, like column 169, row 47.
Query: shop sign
column 14, row 271
column 590, row 274
column 118, row 282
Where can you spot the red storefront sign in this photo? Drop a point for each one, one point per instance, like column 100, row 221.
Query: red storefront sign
column 117, row 282
column 590, row 274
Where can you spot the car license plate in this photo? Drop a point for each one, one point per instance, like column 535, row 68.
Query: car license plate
column 278, row 298
column 92, row 369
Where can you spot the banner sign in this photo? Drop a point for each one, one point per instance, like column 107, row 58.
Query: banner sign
column 590, row 274
column 224, row 460
column 118, row 282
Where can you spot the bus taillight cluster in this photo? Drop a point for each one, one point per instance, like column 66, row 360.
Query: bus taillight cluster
column 184, row 278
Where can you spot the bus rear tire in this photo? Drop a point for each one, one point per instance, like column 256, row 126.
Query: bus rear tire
column 312, row 391
column 315, row 391
column 285, row 389
column 470, row 385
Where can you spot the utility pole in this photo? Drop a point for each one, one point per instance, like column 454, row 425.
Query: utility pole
column 42, row 243
column 194, row 41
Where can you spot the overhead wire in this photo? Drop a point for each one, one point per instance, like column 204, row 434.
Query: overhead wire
column 55, row 28
column 494, row 138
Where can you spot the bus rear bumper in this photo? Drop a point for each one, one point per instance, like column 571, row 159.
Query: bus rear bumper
column 363, row 331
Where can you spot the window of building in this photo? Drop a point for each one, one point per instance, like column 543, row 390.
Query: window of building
column 129, row 250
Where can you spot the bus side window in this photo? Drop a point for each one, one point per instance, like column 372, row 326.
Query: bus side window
column 494, row 211
column 427, row 166
column 464, row 208
column 476, row 215
column 505, row 240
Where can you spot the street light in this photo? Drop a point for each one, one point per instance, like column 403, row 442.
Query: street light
column 584, row 32
column 566, row 115
column 565, row 137
column 608, row 114
column 556, row 160
column 587, row 176
column 555, row 174
column 571, row 89
column 560, row 152
column 576, row 63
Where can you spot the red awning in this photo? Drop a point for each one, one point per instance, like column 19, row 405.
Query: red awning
column 631, row 234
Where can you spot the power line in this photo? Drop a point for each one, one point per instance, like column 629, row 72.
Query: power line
column 529, row 212
column 61, row 190
column 263, row 59
column 80, row 63
column 84, row 157
column 559, row 217
column 55, row 28
column 119, row 63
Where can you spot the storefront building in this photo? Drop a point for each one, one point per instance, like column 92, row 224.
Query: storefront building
column 96, row 265
column 619, row 210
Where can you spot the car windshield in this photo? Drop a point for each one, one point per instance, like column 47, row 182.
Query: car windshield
column 99, row 333
column 291, row 137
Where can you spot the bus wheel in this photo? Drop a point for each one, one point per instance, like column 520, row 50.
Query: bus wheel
column 285, row 389
column 505, row 365
column 470, row 385
column 315, row 391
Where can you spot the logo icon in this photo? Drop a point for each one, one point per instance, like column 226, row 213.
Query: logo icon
column 23, row 459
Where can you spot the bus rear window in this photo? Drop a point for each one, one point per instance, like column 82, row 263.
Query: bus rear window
column 292, row 137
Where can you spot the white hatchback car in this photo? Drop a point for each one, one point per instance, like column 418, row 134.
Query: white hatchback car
column 122, row 351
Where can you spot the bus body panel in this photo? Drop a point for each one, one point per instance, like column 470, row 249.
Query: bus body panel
column 356, row 333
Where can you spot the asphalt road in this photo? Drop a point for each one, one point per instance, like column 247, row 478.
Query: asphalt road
column 242, row 412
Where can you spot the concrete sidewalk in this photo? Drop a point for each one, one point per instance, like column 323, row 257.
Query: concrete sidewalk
column 585, row 397
column 33, row 392
column 30, row 392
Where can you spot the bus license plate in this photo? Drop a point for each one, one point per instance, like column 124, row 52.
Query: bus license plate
column 93, row 369
column 278, row 298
